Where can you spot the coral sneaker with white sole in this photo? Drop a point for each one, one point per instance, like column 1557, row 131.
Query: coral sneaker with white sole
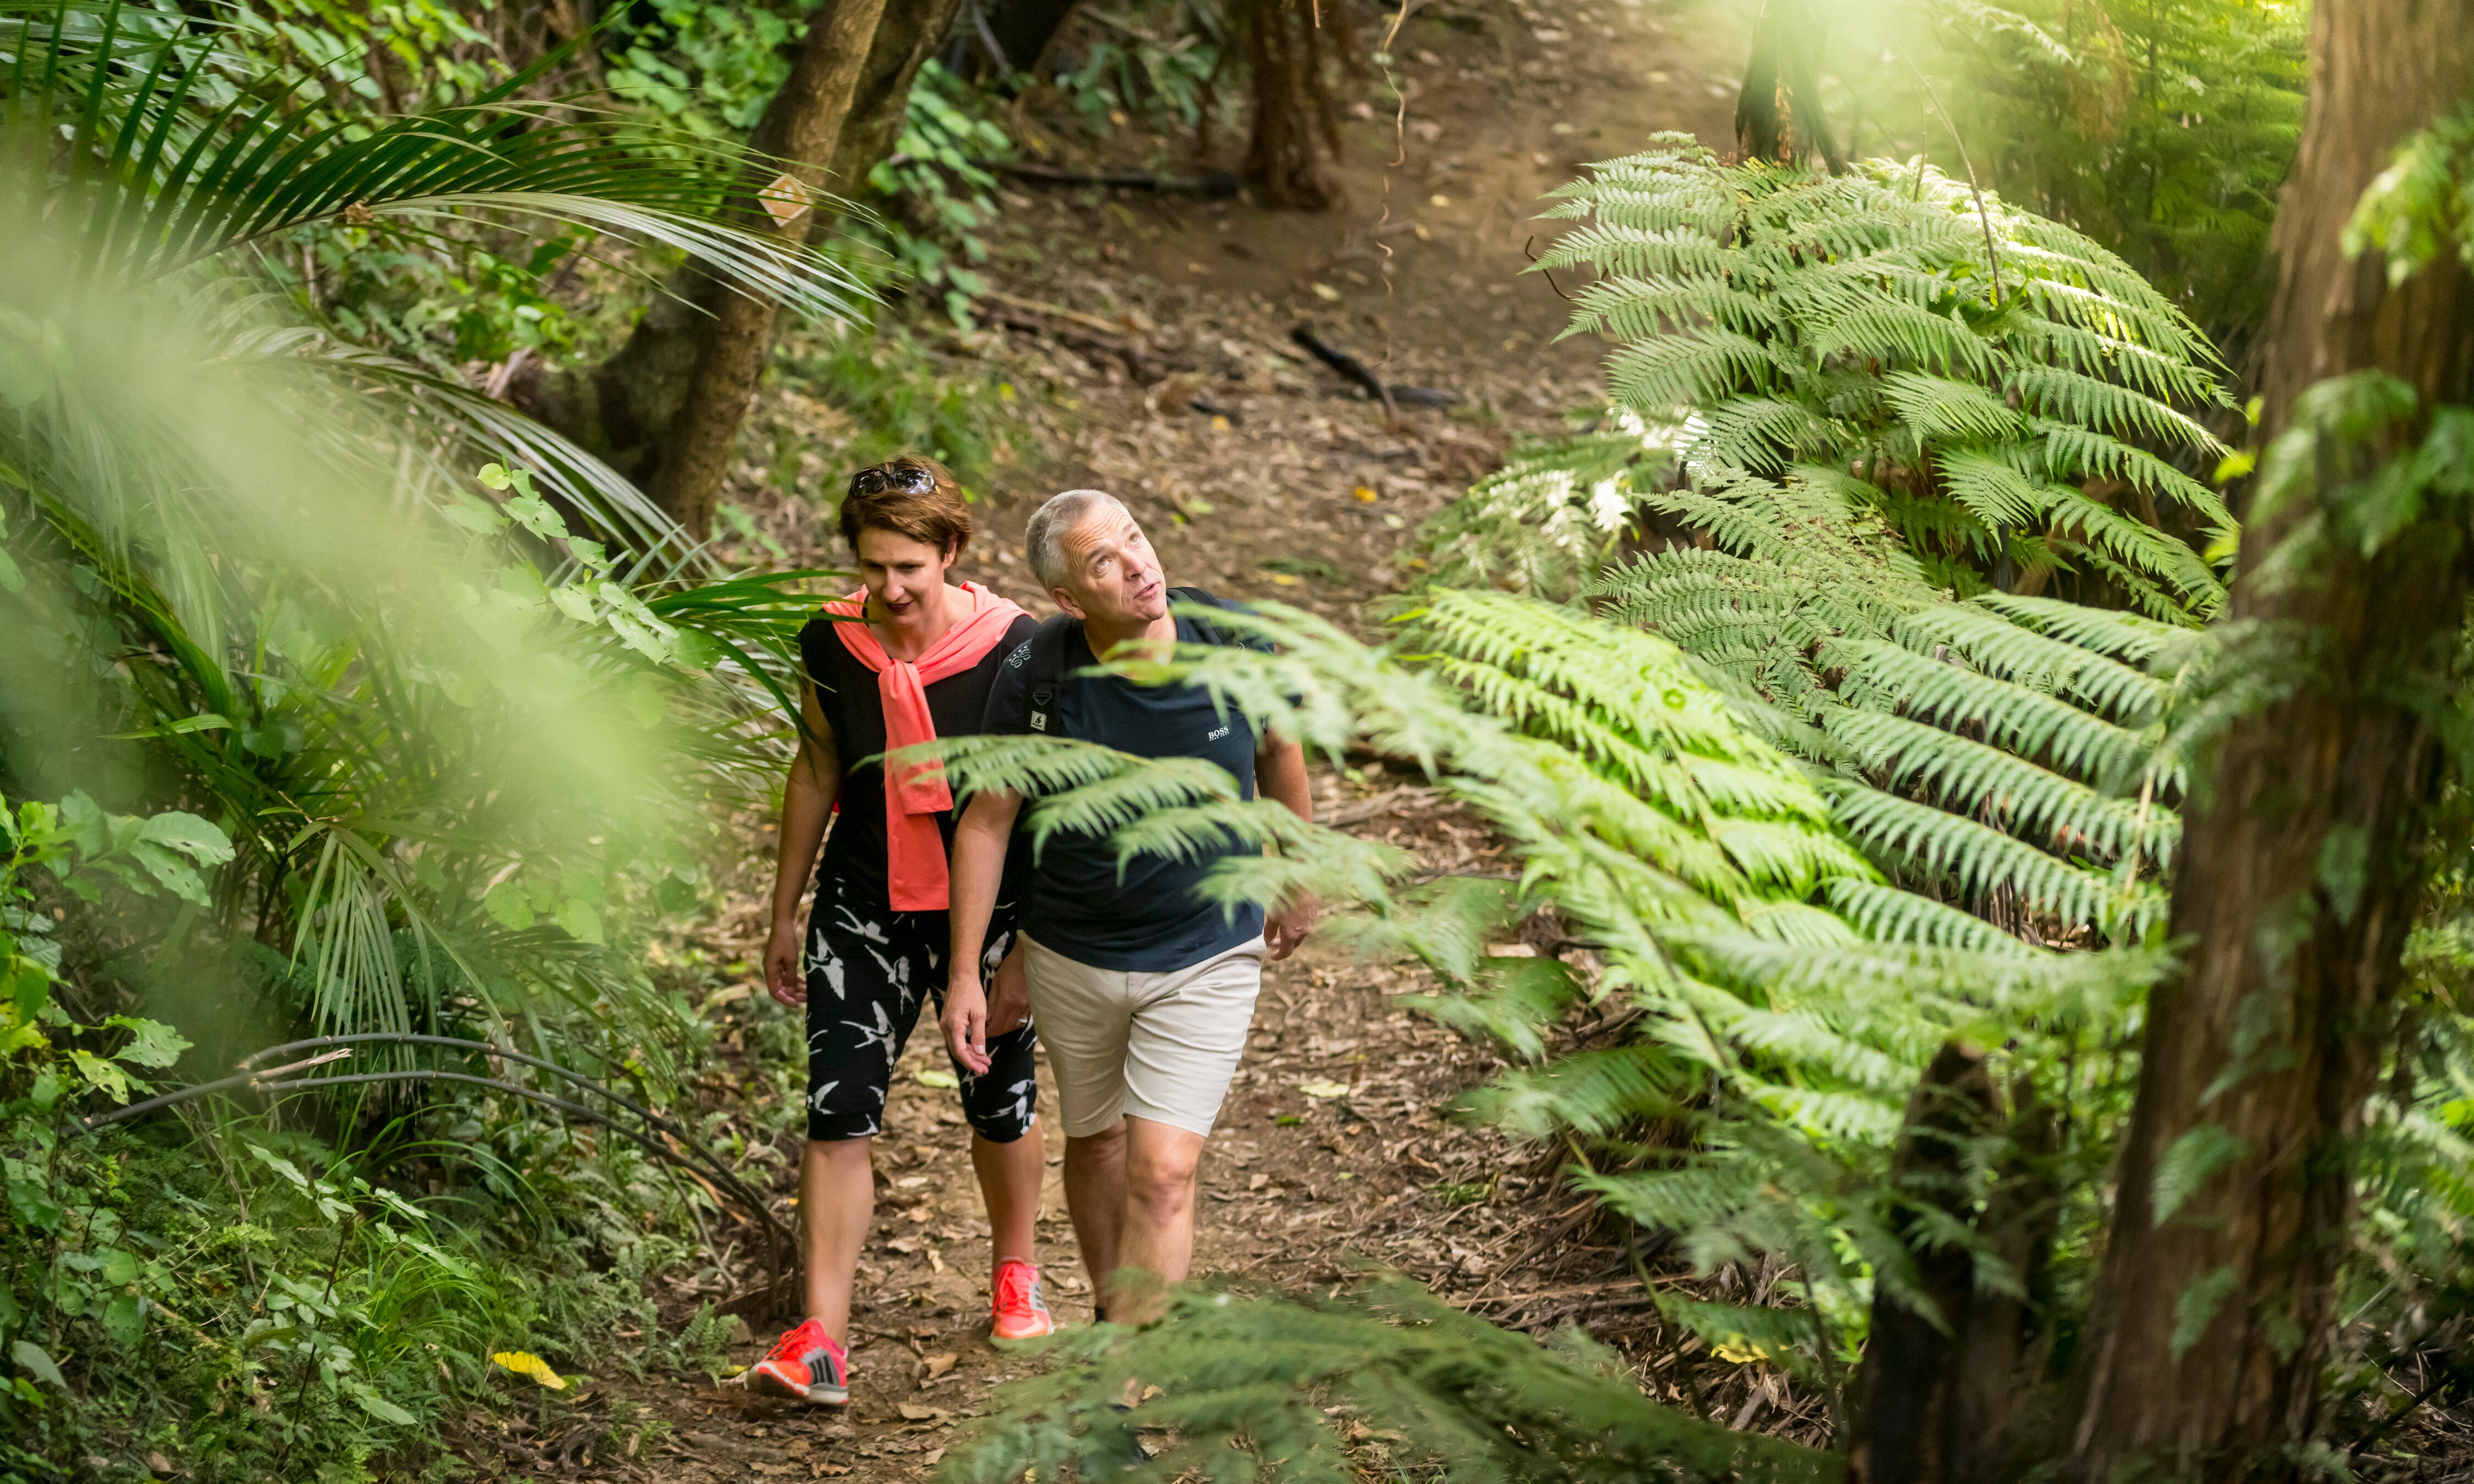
column 1020, row 1312
column 804, row 1365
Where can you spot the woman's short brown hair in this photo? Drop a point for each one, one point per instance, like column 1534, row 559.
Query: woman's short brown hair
column 910, row 496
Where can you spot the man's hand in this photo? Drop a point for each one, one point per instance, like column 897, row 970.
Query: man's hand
column 1009, row 997
column 1283, row 930
column 782, row 975
column 966, row 1022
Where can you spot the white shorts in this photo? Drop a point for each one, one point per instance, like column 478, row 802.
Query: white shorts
column 1156, row 1046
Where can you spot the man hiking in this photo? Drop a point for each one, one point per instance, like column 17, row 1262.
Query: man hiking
column 906, row 659
column 1142, row 987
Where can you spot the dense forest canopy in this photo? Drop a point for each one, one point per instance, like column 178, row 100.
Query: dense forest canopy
column 1885, row 695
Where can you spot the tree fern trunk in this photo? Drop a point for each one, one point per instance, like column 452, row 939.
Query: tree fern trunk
column 1778, row 114
column 2302, row 859
column 1939, row 1394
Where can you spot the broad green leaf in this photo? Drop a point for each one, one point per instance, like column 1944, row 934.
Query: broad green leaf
column 30, row 1356
column 280, row 1165
column 581, row 921
column 102, row 1075
column 25, row 985
column 176, row 875
column 379, row 1406
column 33, row 1205
column 509, row 905
column 124, row 1319
column 152, row 1043
column 194, row 837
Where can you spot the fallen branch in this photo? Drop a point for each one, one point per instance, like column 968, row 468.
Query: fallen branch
column 1095, row 338
column 1392, row 396
column 1217, row 184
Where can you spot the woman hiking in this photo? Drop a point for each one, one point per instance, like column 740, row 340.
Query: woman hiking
column 906, row 659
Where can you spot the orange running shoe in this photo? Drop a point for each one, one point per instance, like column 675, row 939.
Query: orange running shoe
column 1021, row 1314
column 804, row 1365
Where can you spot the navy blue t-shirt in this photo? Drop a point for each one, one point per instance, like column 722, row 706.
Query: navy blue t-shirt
column 1150, row 920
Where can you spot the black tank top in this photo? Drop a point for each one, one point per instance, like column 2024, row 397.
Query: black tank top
column 846, row 692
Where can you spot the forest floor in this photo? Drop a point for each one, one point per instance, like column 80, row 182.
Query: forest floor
column 1158, row 333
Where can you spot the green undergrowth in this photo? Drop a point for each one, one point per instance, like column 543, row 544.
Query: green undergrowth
column 319, row 1290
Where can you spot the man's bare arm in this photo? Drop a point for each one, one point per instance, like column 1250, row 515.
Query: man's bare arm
column 1280, row 775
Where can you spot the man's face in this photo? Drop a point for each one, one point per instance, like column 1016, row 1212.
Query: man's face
column 1112, row 574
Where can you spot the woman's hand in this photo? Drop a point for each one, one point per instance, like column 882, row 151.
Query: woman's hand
column 966, row 1020
column 1009, row 997
column 782, row 973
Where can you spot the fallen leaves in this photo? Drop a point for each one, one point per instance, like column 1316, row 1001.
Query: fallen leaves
column 1324, row 1088
column 939, row 1365
column 921, row 1412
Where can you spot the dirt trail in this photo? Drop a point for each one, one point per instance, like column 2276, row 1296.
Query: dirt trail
column 1283, row 484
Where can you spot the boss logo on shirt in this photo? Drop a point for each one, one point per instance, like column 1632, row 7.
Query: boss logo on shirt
column 1217, row 736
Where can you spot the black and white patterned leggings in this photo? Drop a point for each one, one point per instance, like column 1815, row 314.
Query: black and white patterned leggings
column 867, row 966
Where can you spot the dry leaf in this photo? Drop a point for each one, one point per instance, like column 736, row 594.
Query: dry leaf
column 1325, row 292
column 534, row 1366
column 1324, row 1088
column 914, row 1412
column 1257, row 1182
column 1366, row 495
column 938, row 1365
column 932, row 1458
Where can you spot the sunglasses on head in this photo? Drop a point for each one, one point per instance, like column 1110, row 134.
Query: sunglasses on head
column 910, row 477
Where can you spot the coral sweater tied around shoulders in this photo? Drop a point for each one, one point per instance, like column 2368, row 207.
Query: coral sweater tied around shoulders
column 916, row 794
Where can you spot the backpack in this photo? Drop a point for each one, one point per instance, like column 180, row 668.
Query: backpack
column 1047, row 664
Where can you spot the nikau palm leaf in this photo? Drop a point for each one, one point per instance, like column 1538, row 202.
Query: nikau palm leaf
column 162, row 156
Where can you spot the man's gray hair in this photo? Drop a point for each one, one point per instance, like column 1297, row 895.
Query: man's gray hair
column 1045, row 540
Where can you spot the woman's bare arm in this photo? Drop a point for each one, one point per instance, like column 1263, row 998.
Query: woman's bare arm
column 807, row 804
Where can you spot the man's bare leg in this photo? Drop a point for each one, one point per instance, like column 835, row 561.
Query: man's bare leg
column 837, row 1202
column 1094, row 1197
column 1160, row 1162
column 1009, row 1179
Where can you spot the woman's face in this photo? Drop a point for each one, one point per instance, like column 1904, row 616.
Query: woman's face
column 903, row 576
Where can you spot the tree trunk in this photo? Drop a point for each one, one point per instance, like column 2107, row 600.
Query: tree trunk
column 2302, row 857
column 1295, row 127
column 800, row 125
column 906, row 36
column 1778, row 114
column 637, row 409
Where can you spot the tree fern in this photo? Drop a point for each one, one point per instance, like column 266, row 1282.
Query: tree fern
column 1994, row 402
column 1386, row 1382
column 1787, row 995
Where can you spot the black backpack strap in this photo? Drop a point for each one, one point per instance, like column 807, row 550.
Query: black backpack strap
column 1047, row 673
column 1205, row 632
